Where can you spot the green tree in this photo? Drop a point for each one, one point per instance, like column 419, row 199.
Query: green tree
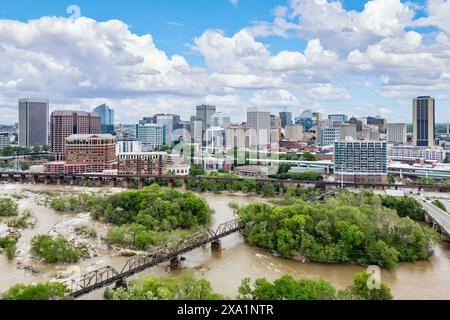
column 196, row 170
column 42, row 291
column 308, row 156
column 184, row 287
column 54, row 250
column 361, row 289
column 287, row 288
column 284, row 168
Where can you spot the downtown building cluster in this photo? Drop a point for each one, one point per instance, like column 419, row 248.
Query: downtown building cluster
column 359, row 149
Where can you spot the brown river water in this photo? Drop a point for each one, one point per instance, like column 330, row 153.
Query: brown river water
column 225, row 270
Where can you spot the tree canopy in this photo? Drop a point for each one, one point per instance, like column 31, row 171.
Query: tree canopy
column 346, row 228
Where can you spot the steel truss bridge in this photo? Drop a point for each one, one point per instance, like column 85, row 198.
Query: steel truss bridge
column 167, row 253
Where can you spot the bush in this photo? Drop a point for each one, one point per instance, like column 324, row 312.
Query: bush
column 8, row 207
column 440, row 205
column 287, row 288
column 184, row 287
column 23, row 222
column 54, row 250
column 9, row 246
column 360, row 290
column 42, row 291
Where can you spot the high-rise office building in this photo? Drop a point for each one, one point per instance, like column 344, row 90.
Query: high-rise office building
column 205, row 113
column 358, row 123
column 378, row 121
column 152, row 136
column 240, row 137
column 294, row 133
column 219, row 120
column 360, row 161
column 260, row 121
column 328, row 135
column 167, row 121
column 338, row 118
column 33, row 122
column 347, row 130
column 5, row 139
column 286, row 119
column 107, row 118
column 196, row 129
column 66, row 123
column 397, row 133
column 424, row 122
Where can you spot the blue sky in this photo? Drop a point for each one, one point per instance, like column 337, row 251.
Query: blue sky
column 361, row 84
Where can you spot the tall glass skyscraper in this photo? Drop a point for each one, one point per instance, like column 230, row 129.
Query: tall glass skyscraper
column 33, row 122
column 107, row 118
column 424, row 122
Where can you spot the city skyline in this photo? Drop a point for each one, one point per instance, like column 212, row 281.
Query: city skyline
column 271, row 56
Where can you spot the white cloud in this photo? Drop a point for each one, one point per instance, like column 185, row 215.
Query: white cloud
column 274, row 98
column 327, row 92
column 234, row 2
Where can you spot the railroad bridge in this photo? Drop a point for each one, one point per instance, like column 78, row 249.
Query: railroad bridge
column 139, row 181
column 172, row 253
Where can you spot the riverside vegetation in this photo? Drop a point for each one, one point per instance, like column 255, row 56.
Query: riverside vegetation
column 349, row 228
column 187, row 287
column 142, row 218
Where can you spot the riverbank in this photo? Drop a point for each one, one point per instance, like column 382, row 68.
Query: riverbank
column 225, row 270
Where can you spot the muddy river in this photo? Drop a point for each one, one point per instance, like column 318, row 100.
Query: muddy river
column 225, row 270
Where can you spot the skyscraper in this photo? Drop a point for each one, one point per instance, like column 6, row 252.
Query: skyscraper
column 286, row 119
column 66, row 123
column 397, row 133
column 424, row 122
column 167, row 121
column 152, row 136
column 260, row 121
column 33, row 122
column 107, row 118
column 338, row 118
column 205, row 113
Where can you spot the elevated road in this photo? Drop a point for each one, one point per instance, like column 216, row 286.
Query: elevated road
column 436, row 216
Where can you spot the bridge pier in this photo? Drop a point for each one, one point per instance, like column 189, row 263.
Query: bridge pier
column 98, row 182
column 281, row 190
column 35, row 179
column 121, row 284
column 113, row 182
column 175, row 263
column 185, row 185
column 216, row 246
column 170, row 185
column 58, row 181
column 140, row 183
column 126, row 183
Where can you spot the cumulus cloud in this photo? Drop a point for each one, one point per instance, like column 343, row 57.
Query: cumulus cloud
column 77, row 63
column 327, row 92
